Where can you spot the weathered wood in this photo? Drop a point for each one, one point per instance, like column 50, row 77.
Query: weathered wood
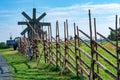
column 99, row 77
column 85, row 71
column 43, row 23
column 106, row 39
column 41, row 16
column 73, row 66
column 71, row 57
column 108, row 51
column 24, row 31
column 117, row 47
column 113, row 65
column 34, row 14
column 22, row 23
column 26, row 16
column 106, row 70
column 83, row 62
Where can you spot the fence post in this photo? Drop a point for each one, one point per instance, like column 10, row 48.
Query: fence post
column 45, row 49
column 65, row 39
column 79, row 47
column 49, row 41
column 96, row 48
column 92, row 48
column 76, row 58
column 117, row 47
column 57, row 35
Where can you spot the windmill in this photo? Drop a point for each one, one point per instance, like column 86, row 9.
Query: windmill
column 33, row 26
column 34, row 22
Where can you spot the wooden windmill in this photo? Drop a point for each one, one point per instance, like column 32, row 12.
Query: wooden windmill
column 33, row 26
column 34, row 22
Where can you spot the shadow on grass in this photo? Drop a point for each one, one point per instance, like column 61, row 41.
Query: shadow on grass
column 28, row 70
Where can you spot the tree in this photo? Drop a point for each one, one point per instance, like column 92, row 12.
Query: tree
column 2, row 45
column 112, row 35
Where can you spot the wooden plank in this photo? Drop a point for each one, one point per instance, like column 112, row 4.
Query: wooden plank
column 106, row 39
column 105, row 69
column 108, row 61
column 108, row 51
column 61, row 53
column 85, row 71
column 84, row 42
column 80, row 49
column 98, row 76
column 70, row 64
column 71, row 57
column 61, row 46
column 70, row 69
column 71, row 50
column 84, row 52
column 83, row 62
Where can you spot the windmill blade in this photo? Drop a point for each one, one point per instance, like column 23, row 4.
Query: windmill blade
column 24, row 31
column 26, row 16
column 22, row 23
column 45, row 24
column 34, row 13
column 39, row 18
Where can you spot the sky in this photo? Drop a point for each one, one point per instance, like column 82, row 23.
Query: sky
column 73, row 10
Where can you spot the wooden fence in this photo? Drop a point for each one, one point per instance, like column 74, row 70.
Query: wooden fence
column 90, row 59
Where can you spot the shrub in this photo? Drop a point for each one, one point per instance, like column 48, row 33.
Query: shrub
column 2, row 45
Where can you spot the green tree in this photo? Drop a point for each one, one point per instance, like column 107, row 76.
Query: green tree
column 112, row 35
column 2, row 45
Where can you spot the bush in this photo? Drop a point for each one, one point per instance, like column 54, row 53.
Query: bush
column 2, row 45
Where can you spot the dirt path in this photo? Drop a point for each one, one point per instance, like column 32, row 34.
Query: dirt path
column 4, row 70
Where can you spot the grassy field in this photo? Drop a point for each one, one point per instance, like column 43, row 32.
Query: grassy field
column 104, row 75
column 22, row 69
column 28, row 70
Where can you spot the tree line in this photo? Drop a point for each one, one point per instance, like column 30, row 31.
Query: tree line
column 112, row 35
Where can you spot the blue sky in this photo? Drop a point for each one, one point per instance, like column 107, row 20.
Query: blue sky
column 73, row 10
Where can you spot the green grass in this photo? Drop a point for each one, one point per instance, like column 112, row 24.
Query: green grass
column 22, row 69
column 28, row 70
column 102, row 73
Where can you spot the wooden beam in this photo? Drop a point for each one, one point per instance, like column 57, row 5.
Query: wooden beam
column 39, row 18
column 22, row 23
column 34, row 14
column 26, row 16
column 24, row 31
column 39, row 30
column 45, row 23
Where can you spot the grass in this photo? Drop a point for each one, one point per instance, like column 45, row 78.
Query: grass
column 22, row 69
column 28, row 70
column 102, row 73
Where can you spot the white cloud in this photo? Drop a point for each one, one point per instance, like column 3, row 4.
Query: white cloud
column 104, row 13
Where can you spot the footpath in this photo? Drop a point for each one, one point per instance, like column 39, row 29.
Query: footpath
column 4, row 70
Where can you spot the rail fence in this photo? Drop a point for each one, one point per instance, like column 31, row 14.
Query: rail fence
column 80, row 57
